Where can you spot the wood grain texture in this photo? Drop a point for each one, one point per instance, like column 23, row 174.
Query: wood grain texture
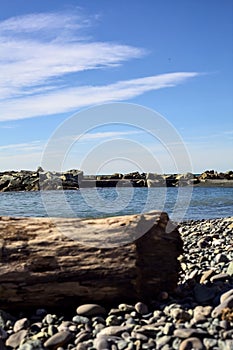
column 46, row 261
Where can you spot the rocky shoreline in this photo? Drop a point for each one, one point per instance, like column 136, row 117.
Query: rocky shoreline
column 199, row 315
column 26, row 180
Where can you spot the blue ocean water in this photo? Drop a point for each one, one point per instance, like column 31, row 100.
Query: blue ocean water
column 182, row 203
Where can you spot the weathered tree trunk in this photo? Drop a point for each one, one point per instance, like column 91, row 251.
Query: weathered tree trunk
column 46, row 261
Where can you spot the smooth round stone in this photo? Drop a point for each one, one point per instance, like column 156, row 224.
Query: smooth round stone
column 98, row 328
column 181, row 315
column 15, row 339
column 58, row 339
column 139, row 336
column 148, row 330
column 192, row 343
column 82, row 336
column 125, row 307
column 90, row 310
column 101, row 343
column 201, row 313
column 81, row 346
column 80, row 319
column 163, row 341
column 226, row 295
column 141, row 308
column 115, row 330
column 188, row 332
column 23, row 323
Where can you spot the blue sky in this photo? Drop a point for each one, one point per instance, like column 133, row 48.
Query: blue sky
column 62, row 57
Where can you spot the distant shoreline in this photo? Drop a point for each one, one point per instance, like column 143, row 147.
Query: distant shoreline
column 25, row 180
column 215, row 183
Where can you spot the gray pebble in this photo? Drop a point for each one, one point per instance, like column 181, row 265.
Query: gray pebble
column 226, row 295
column 90, row 310
column 58, row 339
column 80, row 319
column 189, row 332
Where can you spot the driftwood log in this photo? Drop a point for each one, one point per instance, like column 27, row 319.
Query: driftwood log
column 46, row 261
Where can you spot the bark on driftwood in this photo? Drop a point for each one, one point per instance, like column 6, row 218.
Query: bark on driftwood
column 46, row 261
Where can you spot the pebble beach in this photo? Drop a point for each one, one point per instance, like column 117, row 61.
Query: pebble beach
column 199, row 315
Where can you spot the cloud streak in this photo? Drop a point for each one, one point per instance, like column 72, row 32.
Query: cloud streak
column 70, row 99
column 41, row 56
column 29, row 61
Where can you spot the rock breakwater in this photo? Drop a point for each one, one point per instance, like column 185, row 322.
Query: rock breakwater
column 25, row 180
column 199, row 315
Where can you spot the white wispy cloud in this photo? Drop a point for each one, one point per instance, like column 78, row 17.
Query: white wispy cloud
column 69, row 99
column 41, row 56
column 23, row 147
column 39, row 145
column 37, row 48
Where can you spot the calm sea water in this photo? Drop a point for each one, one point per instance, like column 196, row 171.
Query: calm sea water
column 180, row 203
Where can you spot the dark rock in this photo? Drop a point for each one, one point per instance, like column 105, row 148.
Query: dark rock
column 2, row 346
column 141, row 308
column 203, row 293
